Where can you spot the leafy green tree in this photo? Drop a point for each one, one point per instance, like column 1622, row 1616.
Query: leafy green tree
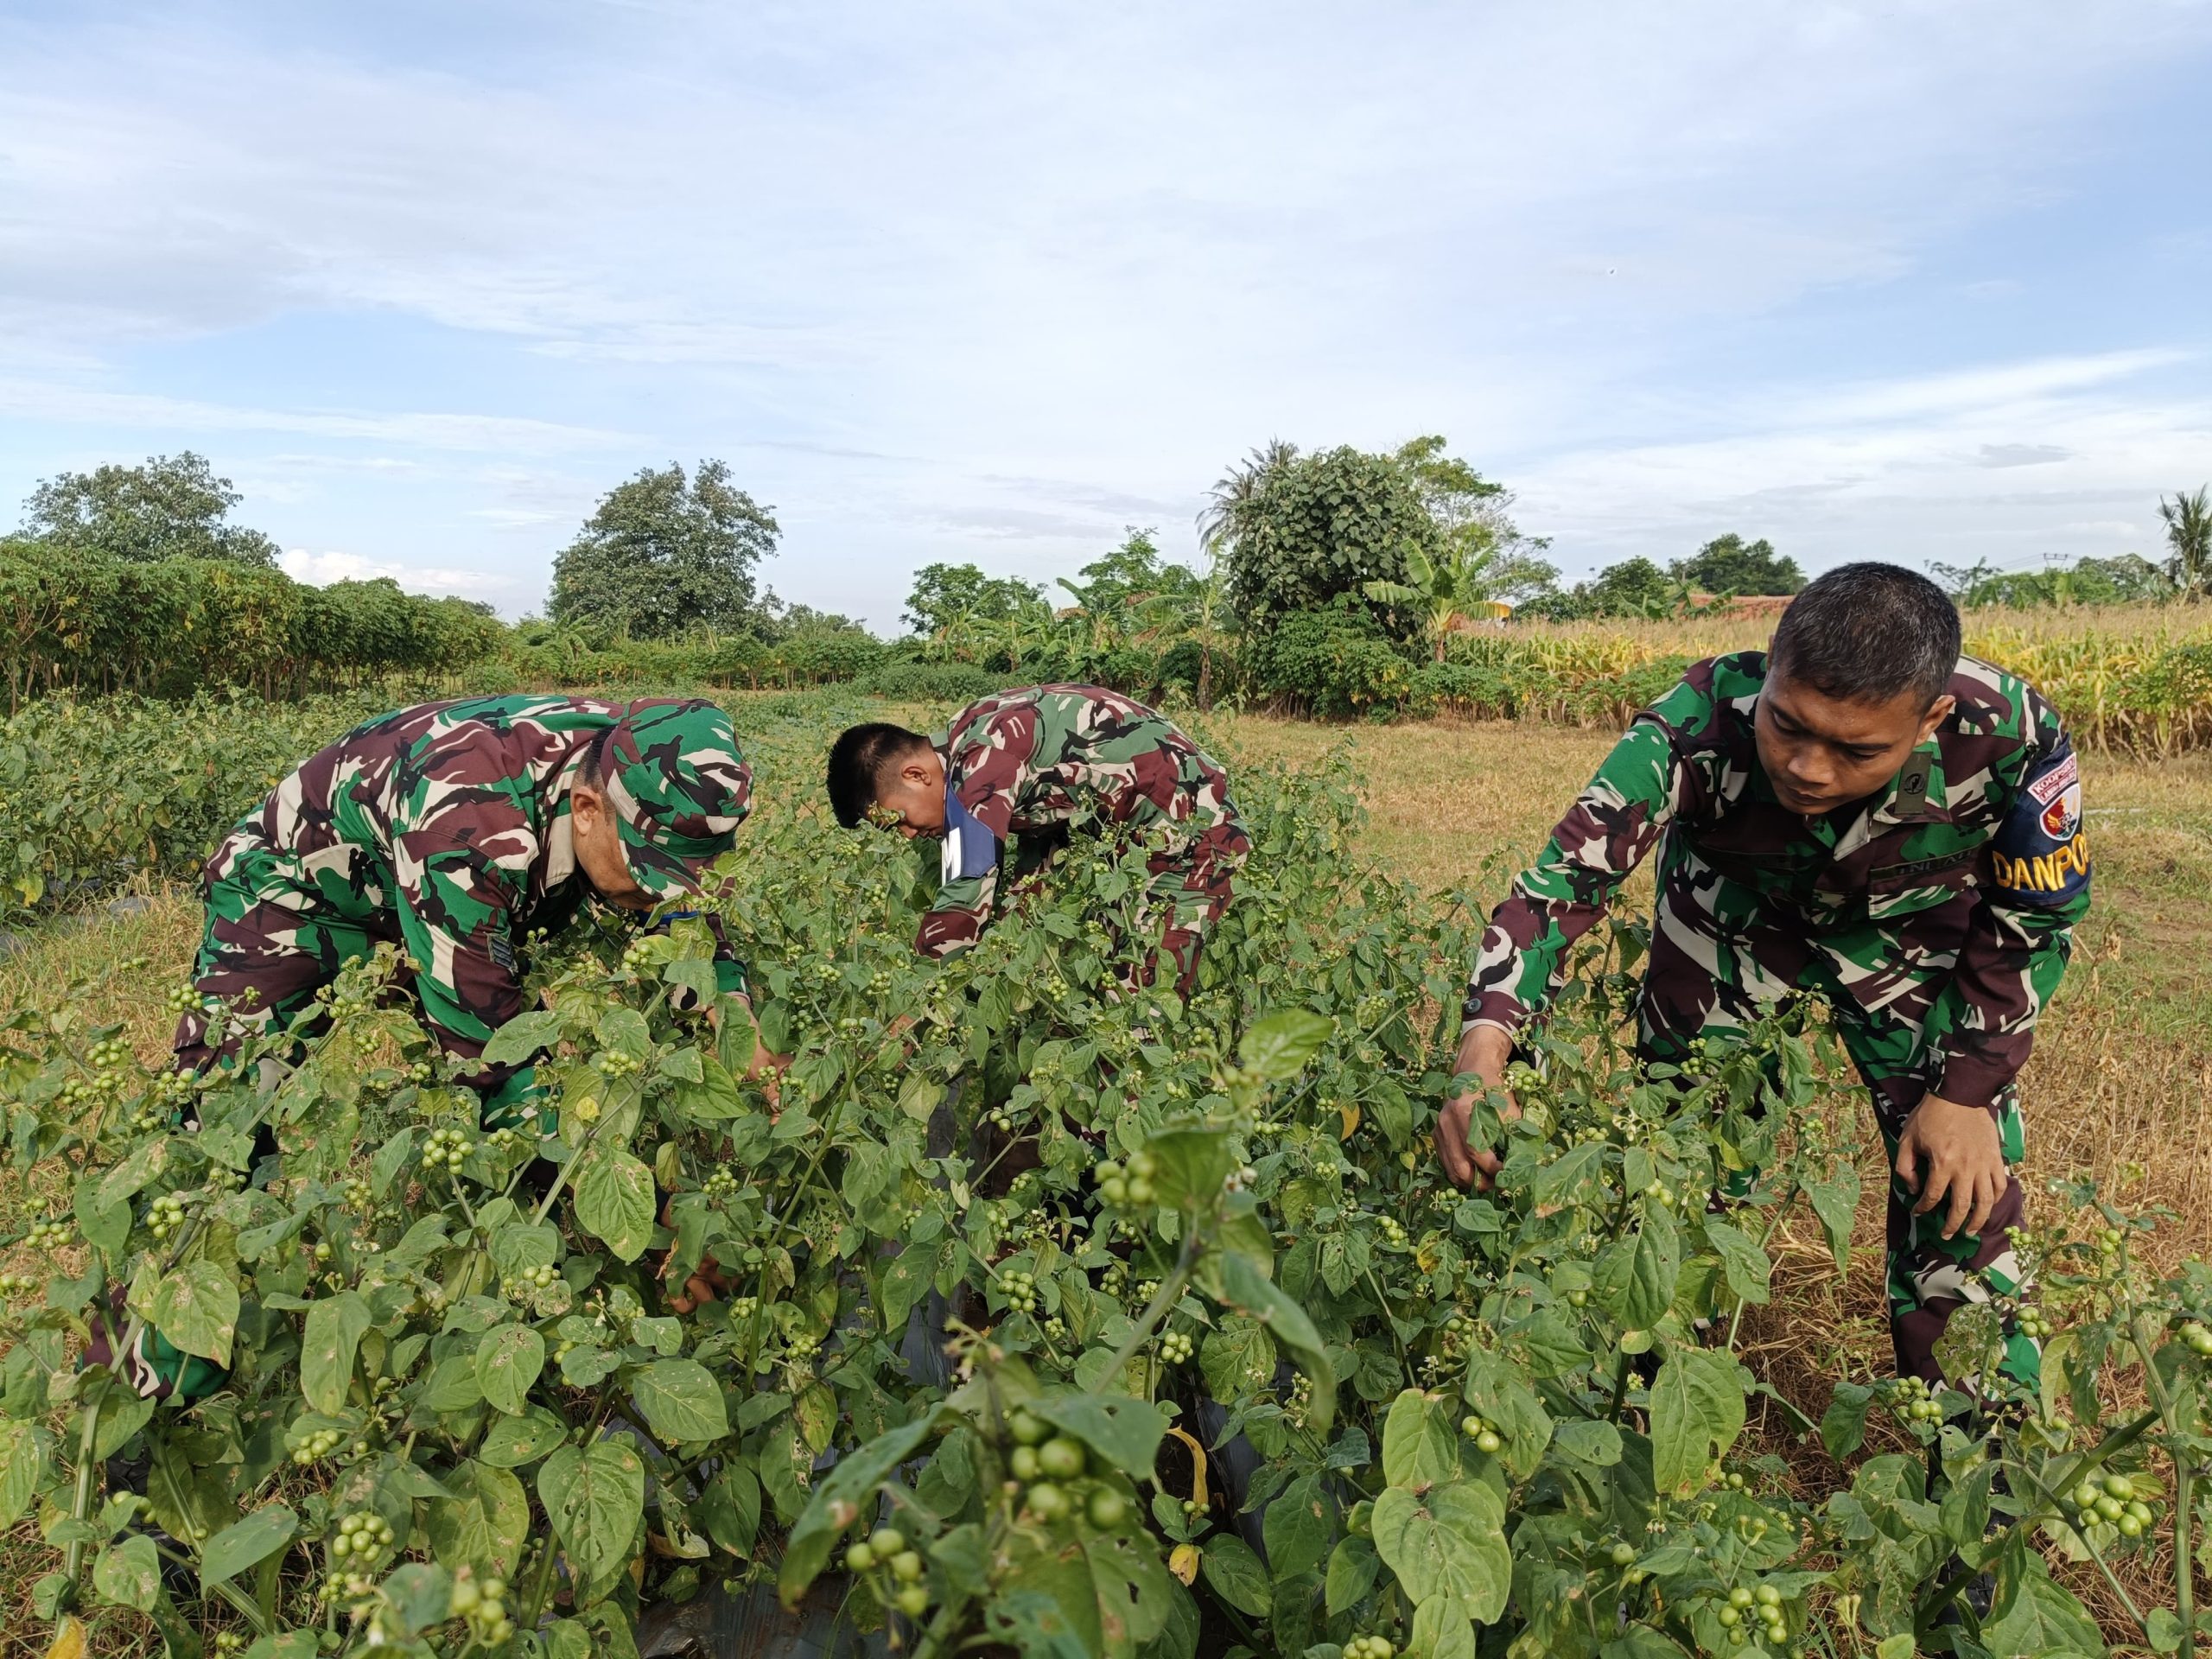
column 960, row 612
column 2188, row 534
column 665, row 555
column 172, row 507
column 1729, row 564
column 1320, row 526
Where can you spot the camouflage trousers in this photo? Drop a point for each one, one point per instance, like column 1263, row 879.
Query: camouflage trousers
column 1720, row 964
column 1188, row 891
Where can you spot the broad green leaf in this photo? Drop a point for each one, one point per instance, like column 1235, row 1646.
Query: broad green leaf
column 484, row 1523
column 2033, row 1615
column 680, row 1400
column 1843, row 1425
column 1421, row 1441
column 1566, row 1175
column 510, row 1442
column 1193, row 1164
column 714, row 1097
column 129, row 1574
column 1441, row 1630
column 333, row 1337
column 1298, row 1527
column 196, row 1307
column 624, row 1029
column 838, row 1503
column 1450, row 1541
column 594, row 1498
column 1240, row 1282
column 1124, row 1432
column 130, row 1177
column 1278, row 1046
column 1697, row 1412
column 22, row 1468
column 516, row 1043
column 519, row 1246
column 1238, row 1359
column 245, row 1543
column 1835, row 1201
column 1495, row 1389
column 1742, row 1260
column 1353, row 1566
column 1234, row 1572
column 1635, row 1275
column 1587, row 1440
column 507, row 1363
column 614, row 1202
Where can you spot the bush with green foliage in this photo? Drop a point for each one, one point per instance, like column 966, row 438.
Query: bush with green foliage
column 463, row 1414
column 1321, row 526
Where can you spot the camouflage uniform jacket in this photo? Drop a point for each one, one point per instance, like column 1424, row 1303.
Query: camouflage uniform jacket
column 1040, row 760
column 443, row 828
column 1971, row 865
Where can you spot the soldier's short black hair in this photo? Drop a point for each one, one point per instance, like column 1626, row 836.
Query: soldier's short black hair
column 1869, row 633
column 857, row 760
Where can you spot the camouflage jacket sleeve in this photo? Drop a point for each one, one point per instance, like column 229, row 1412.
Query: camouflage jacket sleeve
column 2016, row 947
column 983, row 778
column 1613, row 826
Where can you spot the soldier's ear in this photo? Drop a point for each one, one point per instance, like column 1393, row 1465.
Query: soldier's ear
column 1938, row 712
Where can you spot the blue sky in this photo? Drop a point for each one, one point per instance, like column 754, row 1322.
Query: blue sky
column 990, row 282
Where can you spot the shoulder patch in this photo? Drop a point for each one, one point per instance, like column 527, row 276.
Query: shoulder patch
column 2041, row 852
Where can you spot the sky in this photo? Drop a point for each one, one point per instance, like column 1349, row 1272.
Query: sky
column 993, row 282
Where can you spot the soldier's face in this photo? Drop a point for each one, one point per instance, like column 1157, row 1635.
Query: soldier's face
column 1821, row 752
column 599, row 850
column 913, row 796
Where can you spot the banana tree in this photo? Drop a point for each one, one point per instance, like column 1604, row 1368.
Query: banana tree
column 1443, row 588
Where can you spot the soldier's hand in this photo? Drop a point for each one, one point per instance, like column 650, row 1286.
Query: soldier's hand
column 1964, row 1158
column 1483, row 1052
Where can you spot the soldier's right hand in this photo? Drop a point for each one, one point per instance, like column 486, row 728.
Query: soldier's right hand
column 1483, row 1052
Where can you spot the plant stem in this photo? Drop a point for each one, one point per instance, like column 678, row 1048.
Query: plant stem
column 1169, row 1293
column 80, row 1507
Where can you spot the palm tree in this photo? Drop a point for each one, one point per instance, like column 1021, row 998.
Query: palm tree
column 2188, row 533
column 1235, row 489
column 1443, row 588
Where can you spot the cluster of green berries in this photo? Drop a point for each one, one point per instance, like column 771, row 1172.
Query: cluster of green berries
column 529, row 1283
column 1765, row 1602
column 613, row 1063
column 358, row 1194
column 1000, row 1119
column 1055, row 1328
column 1393, row 1229
column 885, row 1551
column 1733, row 1480
column 485, row 1607
column 2112, row 1499
column 181, row 1000
column 634, row 954
column 1045, row 1464
column 2108, row 1240
column 1130, row 1188
column 1175, row 1347
column 165, row 1215
column 14, row 1284
column 2030, row 1324
column 447, row 1146
column 2197, row 1338
column 229, row 1642
column 317, row 1447
column 1370, row 1647
column 743, row 1308
column 1020, row 1290
column 1487, row 1438
column 364, row 1533
column 799, row 1346
column 48, row 1235
column 1914, row 1404
column 148, row 1115
column 720, row 1183
column 109, row 1054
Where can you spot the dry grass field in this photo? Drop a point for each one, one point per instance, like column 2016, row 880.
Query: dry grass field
column 2120, row 1086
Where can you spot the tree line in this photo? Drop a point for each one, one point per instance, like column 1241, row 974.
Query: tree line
column 1334, row 582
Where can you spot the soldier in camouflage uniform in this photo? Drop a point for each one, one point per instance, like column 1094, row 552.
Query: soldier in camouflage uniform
column 455, row 830
column 1928, row 896
column 1035, row 763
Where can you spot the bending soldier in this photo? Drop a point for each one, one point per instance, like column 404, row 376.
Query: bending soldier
column 1865, row 815
column 455, row 830
column 1035, row 763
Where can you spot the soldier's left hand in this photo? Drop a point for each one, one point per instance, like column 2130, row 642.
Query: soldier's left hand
column 1964, row 1159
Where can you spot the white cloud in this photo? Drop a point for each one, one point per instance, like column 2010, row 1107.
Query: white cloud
column 319, row 568
column 1023, row 276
